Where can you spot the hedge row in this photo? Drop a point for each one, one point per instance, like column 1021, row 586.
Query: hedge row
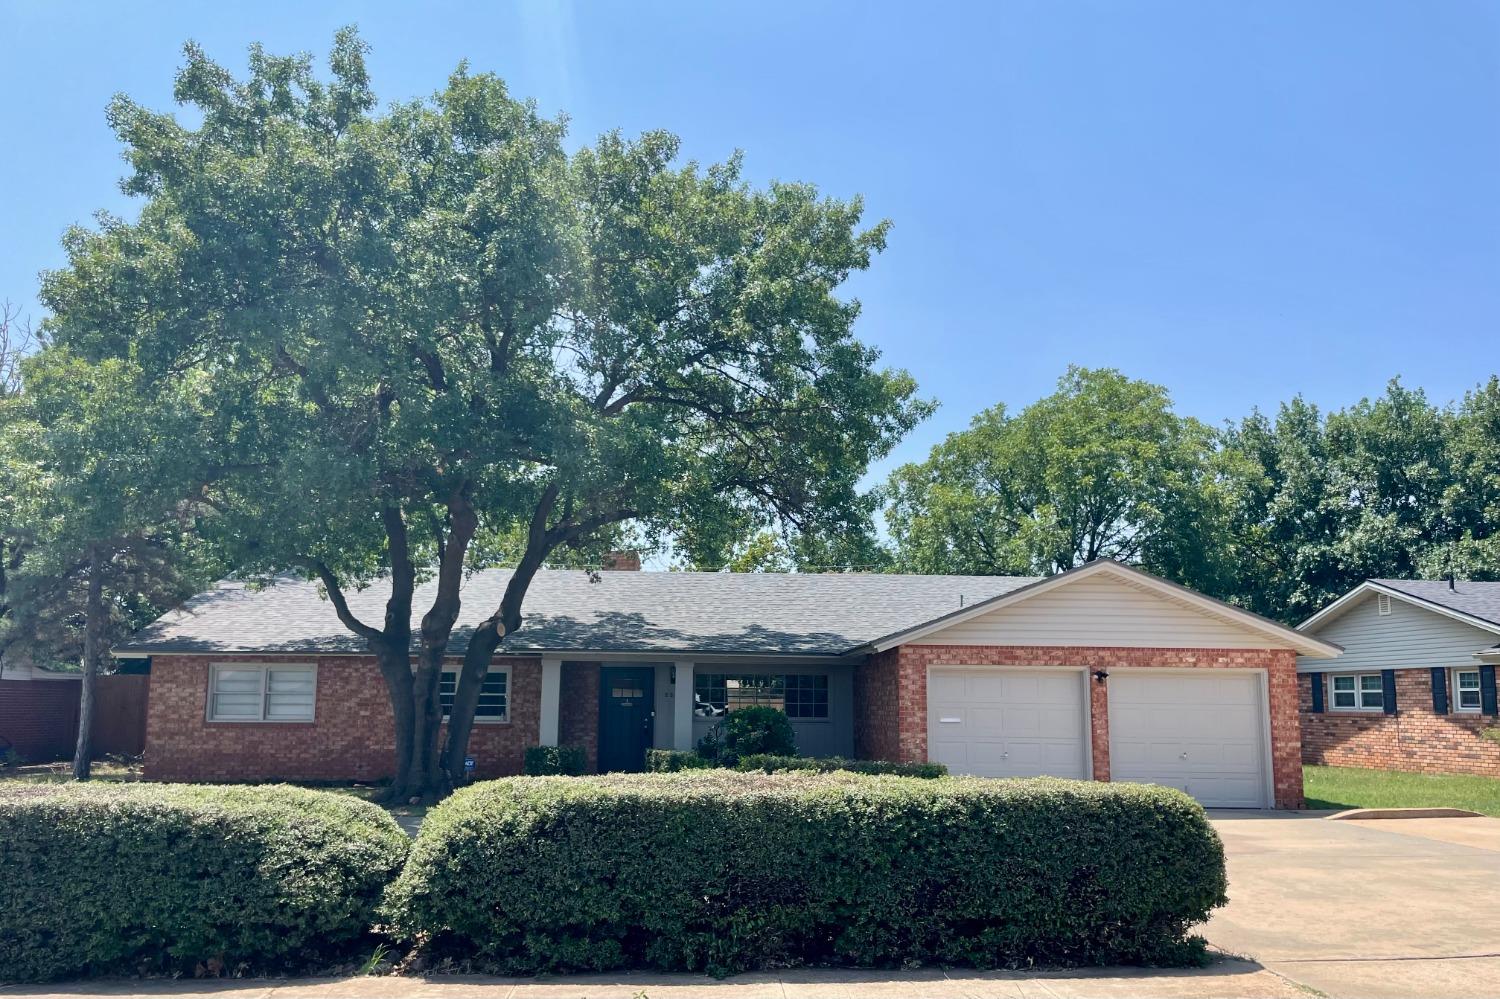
column 671, row 761
column 829, row 764
column 547, row 761
column 722, row 872
column 160, row 878
column 706, row 870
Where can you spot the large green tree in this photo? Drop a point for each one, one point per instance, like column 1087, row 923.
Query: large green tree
column 107, row 466
column 449, row 343
column 1102, row 468
column 16, row 341
column 1393, row 486
column 1471, row 499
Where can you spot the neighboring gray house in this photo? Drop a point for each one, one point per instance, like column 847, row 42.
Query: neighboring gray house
column 1415, row 687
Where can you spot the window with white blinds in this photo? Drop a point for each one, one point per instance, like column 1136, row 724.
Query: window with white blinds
column 283, row 692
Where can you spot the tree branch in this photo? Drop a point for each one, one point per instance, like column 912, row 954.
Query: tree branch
column 340, row 604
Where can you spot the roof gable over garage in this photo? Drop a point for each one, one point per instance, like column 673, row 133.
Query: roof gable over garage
column 1107, row 604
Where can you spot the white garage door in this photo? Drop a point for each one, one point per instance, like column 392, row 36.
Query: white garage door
column 1200, row 733
column 1007, row 723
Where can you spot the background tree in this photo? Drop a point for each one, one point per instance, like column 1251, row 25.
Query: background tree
column 16, row 341
column 1471, row 498
column 1102, row 468
column 1320, row 504
column 437, row 333
column 111, row 468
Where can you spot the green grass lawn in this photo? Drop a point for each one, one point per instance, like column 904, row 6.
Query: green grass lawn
column 1350, row 787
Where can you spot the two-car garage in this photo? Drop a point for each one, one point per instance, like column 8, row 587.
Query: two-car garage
column 1202, row 731
column 1107, row 673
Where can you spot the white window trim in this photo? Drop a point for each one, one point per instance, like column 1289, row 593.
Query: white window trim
column 1358, row 699
column 264, row 668
column 509, row 694
column 1383, row 604
column 1453, row 699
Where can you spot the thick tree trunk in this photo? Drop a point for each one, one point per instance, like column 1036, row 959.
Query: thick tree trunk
column 540, row 542
column 395, row 670
column 481, row 649
column 485, row 641
column 93, row 640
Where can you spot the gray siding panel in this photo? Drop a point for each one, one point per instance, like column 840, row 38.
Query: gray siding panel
column 831, row 736
column 1408, row 637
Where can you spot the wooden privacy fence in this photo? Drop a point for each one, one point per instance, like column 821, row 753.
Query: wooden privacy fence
column 39, row 718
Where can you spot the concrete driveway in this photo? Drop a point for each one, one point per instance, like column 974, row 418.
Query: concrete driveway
column 1383, row 908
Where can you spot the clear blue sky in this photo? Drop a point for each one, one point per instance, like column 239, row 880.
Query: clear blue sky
column 1241, row 201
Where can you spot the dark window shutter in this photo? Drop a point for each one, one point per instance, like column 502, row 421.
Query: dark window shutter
column 1487, row 689
column 1388, row 688
column 1439, row 690
column 1315, row 681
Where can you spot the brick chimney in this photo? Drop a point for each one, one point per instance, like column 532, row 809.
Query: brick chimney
column 622, row 562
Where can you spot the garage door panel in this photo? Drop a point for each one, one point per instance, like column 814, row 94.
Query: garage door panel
column 1198, row 733
column 982, row 688
column 1009, row 723
column 986, row 719
column 945, row 687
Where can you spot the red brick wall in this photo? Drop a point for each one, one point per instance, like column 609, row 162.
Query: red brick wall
column 907, row 733
column 39, row 718
column 1415, row 739
column 351, row 736
column 876, row 719
column 578, row 720
column 1099, row 729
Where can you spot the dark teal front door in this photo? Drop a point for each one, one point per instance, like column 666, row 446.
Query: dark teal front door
column 626, row 715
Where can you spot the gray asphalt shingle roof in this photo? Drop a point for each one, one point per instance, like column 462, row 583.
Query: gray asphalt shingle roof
column 1480, row 600
column 655, row 612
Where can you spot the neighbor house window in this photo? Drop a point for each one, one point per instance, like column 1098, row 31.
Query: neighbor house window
column 494, row 696
column 274, row 693
column 800, row 695
column 1466, row 696
column 1358, row 692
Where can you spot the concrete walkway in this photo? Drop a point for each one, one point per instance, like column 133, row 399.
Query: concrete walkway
column 1365, row 909
column 1225, row 980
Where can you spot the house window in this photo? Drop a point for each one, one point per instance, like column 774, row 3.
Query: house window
column 800, row 695
column 1466, row 696
column 279, row 693
column 1358, row 692
column 1382, row 604
column 806, row 695
column 494, row 696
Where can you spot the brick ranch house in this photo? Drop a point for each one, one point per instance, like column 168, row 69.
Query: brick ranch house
column 1415, row 688
column 1104, row 672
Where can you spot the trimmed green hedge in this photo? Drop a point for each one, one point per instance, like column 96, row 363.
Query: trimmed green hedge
column 544, row 761
column 159, row 878
column 827, row 764
column 670, row 761
column 723, row 871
